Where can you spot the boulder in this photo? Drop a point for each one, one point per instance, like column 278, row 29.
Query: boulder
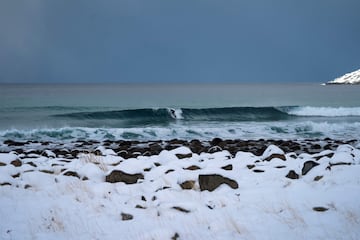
column 212, row 181
column 16, row 163
column 192, row 168
column 308, row 166
column 181, row 209
column 14, row 143
column 126, row 216
column 71, row 174
column 216, row 142
column 273, row 150
column 292, row 175
column 320, row 209
column 187, row 184
column 275, row 155
column 228, row 167
column 120, row 176
column 182, row 156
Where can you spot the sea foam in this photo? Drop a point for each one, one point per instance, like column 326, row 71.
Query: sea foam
column 325, row 111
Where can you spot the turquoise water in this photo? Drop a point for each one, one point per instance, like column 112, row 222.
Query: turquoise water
column 163, row 111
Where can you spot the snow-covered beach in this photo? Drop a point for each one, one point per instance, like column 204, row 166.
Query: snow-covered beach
column 219, row 189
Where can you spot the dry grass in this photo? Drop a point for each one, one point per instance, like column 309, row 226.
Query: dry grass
column 95, row 159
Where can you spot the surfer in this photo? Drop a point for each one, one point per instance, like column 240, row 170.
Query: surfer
column 172, row 112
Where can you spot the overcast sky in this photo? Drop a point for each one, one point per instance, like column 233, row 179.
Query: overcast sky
column 178, row 40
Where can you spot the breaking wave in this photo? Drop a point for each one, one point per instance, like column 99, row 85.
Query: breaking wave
column 191, row 114
column 324, row 111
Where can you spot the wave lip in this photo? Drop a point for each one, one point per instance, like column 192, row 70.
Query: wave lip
column 325, row 111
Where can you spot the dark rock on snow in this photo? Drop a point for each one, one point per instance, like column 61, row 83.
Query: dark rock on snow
column 320, row 209
column 308, row 166
column 228, row 167
column 192, row 168
column 292, row 175
column 126, row 216
column 212, row 181
column 16, row 163
column 72, row 174
column 187, row 184
column 120, row 176
column 182, row 156
column 275, row 155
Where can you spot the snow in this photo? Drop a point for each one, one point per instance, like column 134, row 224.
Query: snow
column 349, row 78
column 44, row 203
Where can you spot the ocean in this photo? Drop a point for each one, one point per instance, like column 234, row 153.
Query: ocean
column 72, row 112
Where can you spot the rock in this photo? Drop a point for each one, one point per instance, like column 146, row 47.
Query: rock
column 169, row 171
column 14, row 143
column 196, row 146
column 140, row 206
column 155, row 148
column 46, row 171
column 216, row 141
column 316, row 146
column 123, row 153
column 275, row 155
column 308, row 166
column 330, row 155
column 320, row 209
column 212, row 181
column 214, row 149
column 120, row 176
column 175, row 237
column 60, row 152
column 16, row 175
column 182, row 156
column 187, row 184
column 126, row 216
column 192, row 168
column 181, row 209
column 49, row 154
column 258, row 171
column 16, row 163
column 177, row 142
column 2, row 164
column 72, row 174
column 281, row 166
column 228, row 167
column 317, row 178
column 32, row 164
column 339, row 163
column 5, row 184
column 272, row 150
column 250, row 166
column 292, row 175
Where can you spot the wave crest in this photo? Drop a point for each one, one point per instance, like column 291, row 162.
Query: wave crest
column 325, row 111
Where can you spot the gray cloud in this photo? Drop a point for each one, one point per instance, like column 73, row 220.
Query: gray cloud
column 178, row 41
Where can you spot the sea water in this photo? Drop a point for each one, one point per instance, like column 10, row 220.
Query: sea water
column 70, row 112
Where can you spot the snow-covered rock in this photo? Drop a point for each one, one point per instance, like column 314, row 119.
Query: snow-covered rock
column 349, row 78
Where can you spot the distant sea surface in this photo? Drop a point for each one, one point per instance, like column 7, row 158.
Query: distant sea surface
column 70, row 112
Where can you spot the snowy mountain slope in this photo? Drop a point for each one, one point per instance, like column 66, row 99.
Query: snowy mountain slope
column 349, row 78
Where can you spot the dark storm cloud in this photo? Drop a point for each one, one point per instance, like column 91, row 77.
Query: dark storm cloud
column 178, row 41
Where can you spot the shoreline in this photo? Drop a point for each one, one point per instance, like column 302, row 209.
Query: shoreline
column 134, row 148
column 178, row 189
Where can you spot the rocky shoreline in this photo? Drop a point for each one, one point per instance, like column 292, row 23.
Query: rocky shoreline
column 225, row 189
column 133, row 149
